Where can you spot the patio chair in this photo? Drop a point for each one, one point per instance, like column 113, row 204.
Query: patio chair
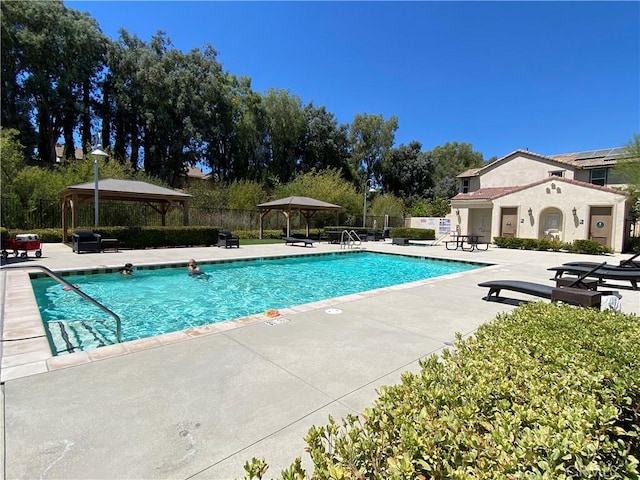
column 227, row 239
column 86, row 241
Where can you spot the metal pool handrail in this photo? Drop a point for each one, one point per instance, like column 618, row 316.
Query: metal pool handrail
column 77, row 290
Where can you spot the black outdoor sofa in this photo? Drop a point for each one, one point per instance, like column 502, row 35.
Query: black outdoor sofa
column 227, row 239
column 86, row 241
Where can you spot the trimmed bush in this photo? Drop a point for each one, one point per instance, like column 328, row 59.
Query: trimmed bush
column 578, row 246
column 546, row 391
column 413, row 233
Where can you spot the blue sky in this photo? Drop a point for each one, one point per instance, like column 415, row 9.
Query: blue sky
column 553, row 77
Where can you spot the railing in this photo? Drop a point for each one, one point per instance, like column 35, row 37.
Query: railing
column 62, row 281
column 348, row 239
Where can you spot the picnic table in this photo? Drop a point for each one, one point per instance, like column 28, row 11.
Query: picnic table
column 468, row 243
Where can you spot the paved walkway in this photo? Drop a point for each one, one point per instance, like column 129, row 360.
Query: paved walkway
column 200, row 405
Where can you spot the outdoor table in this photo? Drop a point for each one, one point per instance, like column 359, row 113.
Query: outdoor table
column 459, row 240
column 333, row 236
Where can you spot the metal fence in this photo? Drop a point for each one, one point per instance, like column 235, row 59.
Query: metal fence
column 48, row 214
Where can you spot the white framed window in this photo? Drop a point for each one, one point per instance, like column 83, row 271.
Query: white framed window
column 465, row 185
column 598, row 176
column 556, row 173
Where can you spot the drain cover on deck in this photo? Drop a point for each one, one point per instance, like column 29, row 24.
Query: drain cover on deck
column 333, row 311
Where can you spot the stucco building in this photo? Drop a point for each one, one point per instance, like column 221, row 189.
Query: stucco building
column 528, row 195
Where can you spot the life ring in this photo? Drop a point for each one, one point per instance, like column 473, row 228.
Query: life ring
column 272, row 313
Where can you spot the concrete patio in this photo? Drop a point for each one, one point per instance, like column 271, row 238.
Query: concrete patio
column 199, row 404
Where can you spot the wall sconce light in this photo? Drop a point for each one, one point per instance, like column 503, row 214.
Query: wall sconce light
column 574, row 211
column 530, row 211
column 457, row 211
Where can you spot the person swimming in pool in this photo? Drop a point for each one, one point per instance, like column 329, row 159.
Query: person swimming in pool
column 194, row 269
column 127, row 269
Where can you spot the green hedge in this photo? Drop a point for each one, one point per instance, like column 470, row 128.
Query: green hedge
column 544, row 244
column 147, row 237
column 546, row 391
column 413, row 233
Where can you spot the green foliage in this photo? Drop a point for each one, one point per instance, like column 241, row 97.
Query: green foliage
column 437, row 207
column 578, row 246
column 589, row 247
column 50, row 55
column 12, row 154
column 371, row 138
column 629, row 169
column 407, row 172
column 634, row 245
column 413, row 233
column 245, row 195
column 326, row 185
column 386, row 204
column 450, row 160
column 546, row 391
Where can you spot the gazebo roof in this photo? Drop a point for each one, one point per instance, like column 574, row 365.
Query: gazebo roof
column 298, row 203
column 132, row 190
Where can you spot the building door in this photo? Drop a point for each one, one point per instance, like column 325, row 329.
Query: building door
column 509, row 222
column 600, row 223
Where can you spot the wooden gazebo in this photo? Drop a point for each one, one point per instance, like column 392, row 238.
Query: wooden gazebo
column 158, row 198
column 305, row 205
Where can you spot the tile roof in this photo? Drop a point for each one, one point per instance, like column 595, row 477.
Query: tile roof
column 491, row 193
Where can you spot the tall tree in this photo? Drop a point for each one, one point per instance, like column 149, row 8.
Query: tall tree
column 14, row 102
column 408, row 172
column 450, row 160
column 286, row 126
column 324, row 144
column 371, row 137
column 53, row 50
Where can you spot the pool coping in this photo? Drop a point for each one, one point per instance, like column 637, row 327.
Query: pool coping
column 25, row 346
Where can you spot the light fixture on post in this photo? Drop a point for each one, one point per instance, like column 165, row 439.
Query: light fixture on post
column 574, row 211
column 98, row 152
column 364, row 209
column 530, row 211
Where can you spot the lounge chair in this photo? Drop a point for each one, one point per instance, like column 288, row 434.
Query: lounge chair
column 576, row 292
column 630, row 262
column 226, row 239
column 295, row 238
column 601, row 272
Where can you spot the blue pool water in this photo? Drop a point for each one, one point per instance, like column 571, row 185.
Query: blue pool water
column 153, row 302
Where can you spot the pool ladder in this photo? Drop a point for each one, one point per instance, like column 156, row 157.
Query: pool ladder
column 349, row 239
column 62, row 281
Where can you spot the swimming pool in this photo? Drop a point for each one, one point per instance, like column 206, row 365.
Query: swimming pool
column 157, row 300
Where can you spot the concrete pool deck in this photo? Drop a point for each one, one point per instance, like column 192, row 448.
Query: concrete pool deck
column 199, row 404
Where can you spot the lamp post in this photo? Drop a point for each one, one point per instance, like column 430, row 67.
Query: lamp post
column 364, row 210
column 98, row 152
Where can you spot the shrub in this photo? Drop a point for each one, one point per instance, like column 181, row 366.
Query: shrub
column 414, row 233
column 546, row 391
column 578, row 246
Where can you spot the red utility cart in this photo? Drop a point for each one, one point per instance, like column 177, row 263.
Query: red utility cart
column 22, row 243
